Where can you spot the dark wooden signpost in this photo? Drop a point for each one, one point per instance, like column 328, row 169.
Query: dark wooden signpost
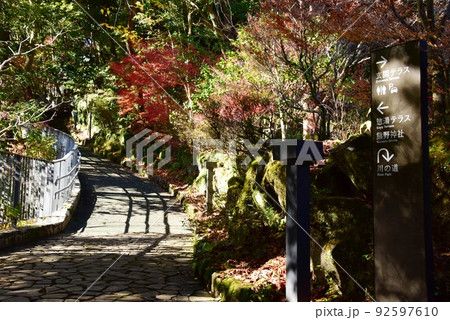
column 402, row 239
column 298, row 155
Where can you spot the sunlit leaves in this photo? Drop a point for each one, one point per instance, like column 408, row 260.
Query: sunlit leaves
column 157, row 80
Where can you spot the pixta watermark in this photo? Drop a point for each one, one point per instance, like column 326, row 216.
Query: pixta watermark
column 144, row 144
column 149, row 142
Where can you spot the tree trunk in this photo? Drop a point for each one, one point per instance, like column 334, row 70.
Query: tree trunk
column 282, row 126
column 440, row 97
column 323, row 134
column 130, row 26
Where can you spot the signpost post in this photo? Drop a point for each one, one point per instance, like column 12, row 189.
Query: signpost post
column 298, row 155
column 402, row 237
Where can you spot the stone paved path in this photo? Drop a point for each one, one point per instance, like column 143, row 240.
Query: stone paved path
column 127, row 241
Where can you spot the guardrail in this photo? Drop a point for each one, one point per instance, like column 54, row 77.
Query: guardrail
column 33, row 188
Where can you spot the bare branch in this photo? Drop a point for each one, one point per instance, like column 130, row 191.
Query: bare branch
column 17, row 120
column 19, row 51
column 422, row 14
column 400, row 18
column 430, row 13
column 445, row 18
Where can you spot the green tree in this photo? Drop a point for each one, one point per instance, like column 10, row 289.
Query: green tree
column 30, row 80
column 50, row 53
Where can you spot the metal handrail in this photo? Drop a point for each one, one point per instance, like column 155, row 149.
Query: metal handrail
column 36, row 188
column 69, row 185
column 66, row 155
column 27, row 157
column 68, row 174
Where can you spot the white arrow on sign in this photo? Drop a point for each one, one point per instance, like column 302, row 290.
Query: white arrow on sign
column 388, row 157
column 380, row 108
column 382, row 62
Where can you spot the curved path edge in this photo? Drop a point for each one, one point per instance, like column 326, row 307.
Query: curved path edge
column 45, row 227
column 127, row 241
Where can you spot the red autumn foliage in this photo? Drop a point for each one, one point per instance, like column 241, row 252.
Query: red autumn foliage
column 241, row 104
column 157, row 80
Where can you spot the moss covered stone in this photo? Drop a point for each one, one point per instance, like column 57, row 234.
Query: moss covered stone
column 226, row 170
column 341, row 219
column 440, row 206
column 274, row 182
column 233, row 290
column 344, row 228
column 351, row 160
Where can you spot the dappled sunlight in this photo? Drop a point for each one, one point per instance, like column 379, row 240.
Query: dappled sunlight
column 127, row 241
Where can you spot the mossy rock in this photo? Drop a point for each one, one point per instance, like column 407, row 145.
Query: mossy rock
column 440, row 206
column 203, row 263
column 274, row 182
column 346, row 226
column 225, row 170
column 222, row 174
column 235, row 185
column 342, row 220
column 233, row 290
column 330, row 180
column 259, row 199
column 200, row 182
column 335, row 217
column 440, row 178
column 353, row 159
column 326, row 273
column 246, row 199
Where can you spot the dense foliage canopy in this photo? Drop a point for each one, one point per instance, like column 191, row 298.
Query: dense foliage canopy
column 242, row 68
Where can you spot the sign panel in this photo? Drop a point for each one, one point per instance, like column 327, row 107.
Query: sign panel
column 402, row 240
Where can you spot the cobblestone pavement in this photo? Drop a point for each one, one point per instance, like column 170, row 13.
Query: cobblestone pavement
column 127, row 241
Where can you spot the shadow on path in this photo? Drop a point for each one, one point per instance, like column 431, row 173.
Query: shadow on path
column 85, row 206
column 127, row 241
column 114, row 200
